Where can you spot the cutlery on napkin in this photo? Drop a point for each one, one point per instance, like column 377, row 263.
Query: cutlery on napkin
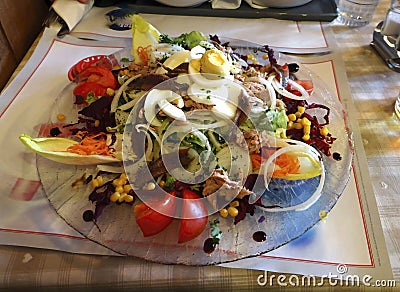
column 68, row 13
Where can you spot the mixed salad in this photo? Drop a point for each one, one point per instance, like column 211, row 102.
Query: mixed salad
column 190, row 127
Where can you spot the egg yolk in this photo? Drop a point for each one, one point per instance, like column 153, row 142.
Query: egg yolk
column 214, row 62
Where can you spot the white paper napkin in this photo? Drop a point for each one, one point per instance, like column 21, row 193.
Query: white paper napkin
column 71, row 11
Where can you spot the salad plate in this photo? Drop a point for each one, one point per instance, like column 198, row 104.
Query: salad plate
column 282, row 208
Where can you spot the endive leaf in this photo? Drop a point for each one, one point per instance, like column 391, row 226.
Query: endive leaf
column 55, row 149
column 309, row 167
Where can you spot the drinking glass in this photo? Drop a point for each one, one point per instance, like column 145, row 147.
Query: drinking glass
column 356, row 12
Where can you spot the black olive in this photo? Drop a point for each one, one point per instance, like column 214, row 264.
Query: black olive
column 54, row 132
column 293, row 67
column 88, row 216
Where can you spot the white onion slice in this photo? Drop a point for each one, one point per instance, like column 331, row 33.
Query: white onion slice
column 114, row 103
column 161, row 98
column 132, row 103
column 300, row 147
column 146, row 130
column 278, row 87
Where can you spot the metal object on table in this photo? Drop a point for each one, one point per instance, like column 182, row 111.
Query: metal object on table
column 53, row 17
column 321, row 10
column 386, row 48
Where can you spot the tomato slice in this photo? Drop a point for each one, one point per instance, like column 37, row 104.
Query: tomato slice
column 90, row 91
column 305, row 83
column 193, row 207
column 150, row 221
column 83, row 64
column 98, row 74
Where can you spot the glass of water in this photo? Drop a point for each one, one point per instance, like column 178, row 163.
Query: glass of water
column 356, row 12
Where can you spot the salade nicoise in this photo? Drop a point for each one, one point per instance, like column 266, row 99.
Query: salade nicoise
column 232, row 121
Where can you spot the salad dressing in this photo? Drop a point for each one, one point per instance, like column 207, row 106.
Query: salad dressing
column 259, row 236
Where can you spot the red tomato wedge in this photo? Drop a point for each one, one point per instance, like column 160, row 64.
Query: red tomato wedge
column 99, row 75
column 86, row 88
column 193, row 207
column 305, row 83
column 150, row 221
column 83, row 64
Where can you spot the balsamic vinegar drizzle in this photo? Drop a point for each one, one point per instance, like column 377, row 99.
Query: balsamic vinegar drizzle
column 209, row 245
column 337, row 156
column 259, row 236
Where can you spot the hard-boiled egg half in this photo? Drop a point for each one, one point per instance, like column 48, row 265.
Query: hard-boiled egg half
column 210, row 82
column 223, row 98
column 163, row 99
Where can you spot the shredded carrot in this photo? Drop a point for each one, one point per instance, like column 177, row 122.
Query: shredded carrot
column 288, row 164
column 92, row 145
column 143, row 54
column 255, row 159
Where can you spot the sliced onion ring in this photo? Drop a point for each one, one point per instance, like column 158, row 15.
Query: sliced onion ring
column 114, row 103
column 146, row 129
column 300, row 147
column 278, row 87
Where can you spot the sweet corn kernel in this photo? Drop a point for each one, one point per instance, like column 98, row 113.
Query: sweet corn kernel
column 298, row 114
column 307, row 129
column 305, row 121
column 161, row 183
column 119, row 189
column 115, row 197
column 122, row 197
column 301, row 109
column 324, row 131
column 118, row 182
column 95, row 183
column 223, row 212
column 233, row 211
column 127, row 188
column 234, row 203
column 265, row 57
column 292, row 117
column 289, row 125
column 61, row 117
column 96, row 123
column 128, row 199
column 297, row 126
column 123, row 176
column 110, row 91
column 306, row 137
